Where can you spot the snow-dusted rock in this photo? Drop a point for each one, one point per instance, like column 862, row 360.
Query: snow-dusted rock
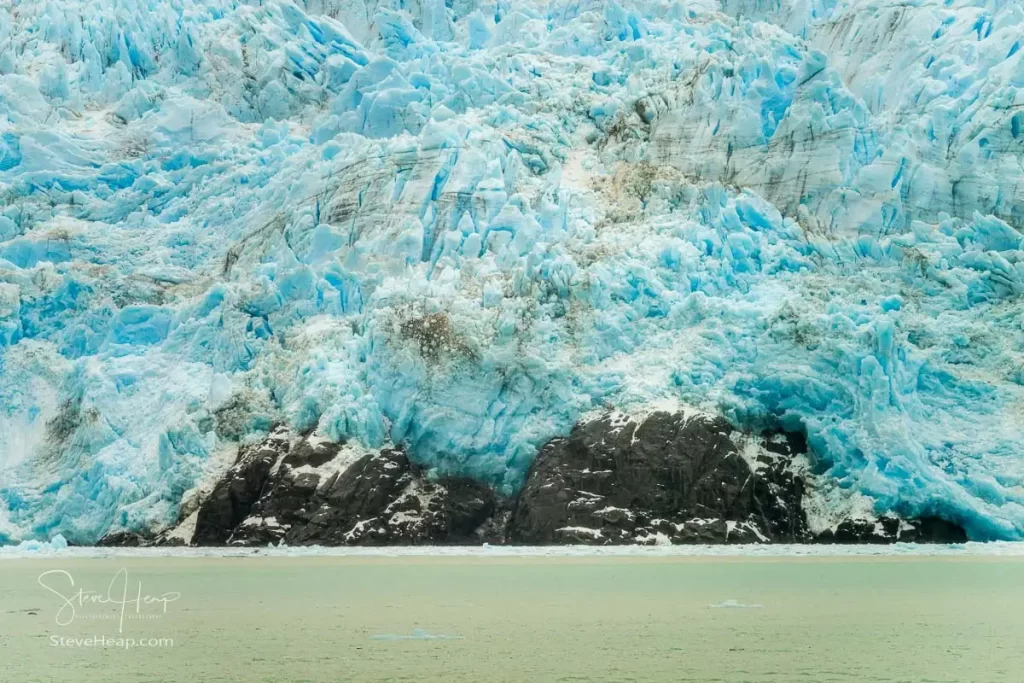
column 303, row 491
column 674, row 476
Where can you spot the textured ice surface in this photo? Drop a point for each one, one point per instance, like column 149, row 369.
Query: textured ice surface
column 461, row 225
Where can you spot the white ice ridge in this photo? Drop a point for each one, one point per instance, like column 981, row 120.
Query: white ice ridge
column 460, row 225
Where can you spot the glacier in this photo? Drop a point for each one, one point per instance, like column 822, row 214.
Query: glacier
column 462, row 225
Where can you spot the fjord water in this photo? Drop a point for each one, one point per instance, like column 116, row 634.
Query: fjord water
column 280, row 619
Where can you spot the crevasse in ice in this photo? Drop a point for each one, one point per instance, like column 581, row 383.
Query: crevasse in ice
column 460, row 225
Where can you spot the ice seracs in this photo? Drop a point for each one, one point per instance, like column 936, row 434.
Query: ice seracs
column 460, row 229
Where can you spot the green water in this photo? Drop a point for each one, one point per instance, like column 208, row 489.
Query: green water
column 522, row 619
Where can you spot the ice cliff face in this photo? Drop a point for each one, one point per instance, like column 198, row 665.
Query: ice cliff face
column 459, row 226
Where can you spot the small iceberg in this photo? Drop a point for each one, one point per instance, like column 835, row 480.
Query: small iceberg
column 417, row 634
column 735, row 604
column 58, row 542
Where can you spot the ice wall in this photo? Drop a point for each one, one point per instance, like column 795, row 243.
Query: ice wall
column 461, row 226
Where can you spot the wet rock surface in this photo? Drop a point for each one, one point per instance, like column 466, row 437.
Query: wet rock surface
column 667, row 478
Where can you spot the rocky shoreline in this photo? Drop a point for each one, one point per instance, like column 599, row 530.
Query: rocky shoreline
column 663, row 478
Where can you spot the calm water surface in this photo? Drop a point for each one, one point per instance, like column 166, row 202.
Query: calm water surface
column 513, row 619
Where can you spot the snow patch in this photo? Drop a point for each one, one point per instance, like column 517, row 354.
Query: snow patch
column 586, row 531
column 828, row 505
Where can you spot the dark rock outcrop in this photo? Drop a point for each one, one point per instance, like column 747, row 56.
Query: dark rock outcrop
column 892, row 529
column 284, row 491
column 667, row 478
column 124, row 539
column 131, row 539
column 670, row 478
column 383, row 499
column 233, row 498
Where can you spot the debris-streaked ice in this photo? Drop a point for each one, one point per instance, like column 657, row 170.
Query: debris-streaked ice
column 460, row 226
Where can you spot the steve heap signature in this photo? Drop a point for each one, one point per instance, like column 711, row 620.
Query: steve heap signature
column 119, row 593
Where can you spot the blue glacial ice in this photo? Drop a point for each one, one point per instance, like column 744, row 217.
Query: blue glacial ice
column 461, row 225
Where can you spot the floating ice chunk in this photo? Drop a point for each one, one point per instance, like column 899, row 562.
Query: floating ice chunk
column 417, row 634
column 735, row 604
column 55, row 544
